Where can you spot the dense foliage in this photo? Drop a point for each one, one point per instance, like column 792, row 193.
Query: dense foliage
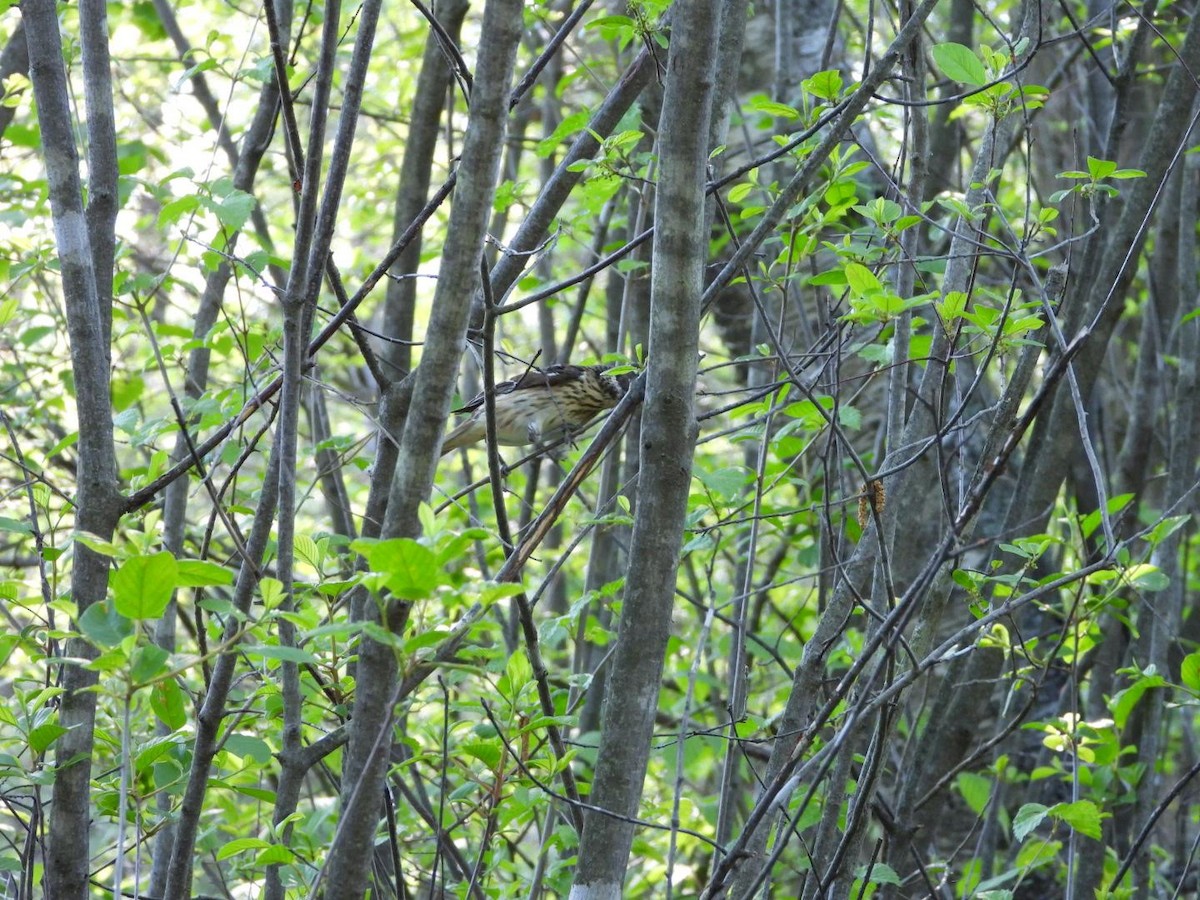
column 932, row 630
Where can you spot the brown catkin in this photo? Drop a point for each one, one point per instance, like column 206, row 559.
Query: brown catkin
column 872, row 494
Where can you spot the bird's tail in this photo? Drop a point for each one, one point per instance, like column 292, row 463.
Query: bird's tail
column 462, row 435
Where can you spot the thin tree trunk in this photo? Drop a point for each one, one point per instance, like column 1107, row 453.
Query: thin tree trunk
column 667, row 440
column 97, row 501
column 14, row 60
column 415, row 176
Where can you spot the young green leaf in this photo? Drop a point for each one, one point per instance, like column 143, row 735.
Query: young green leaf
column 959, row 63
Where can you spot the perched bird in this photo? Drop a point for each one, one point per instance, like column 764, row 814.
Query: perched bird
column 541, row 406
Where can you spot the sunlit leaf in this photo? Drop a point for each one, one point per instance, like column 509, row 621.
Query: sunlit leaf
column 142, row 585
column 959, row 63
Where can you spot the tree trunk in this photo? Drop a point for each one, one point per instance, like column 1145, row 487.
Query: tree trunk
column 667, row 438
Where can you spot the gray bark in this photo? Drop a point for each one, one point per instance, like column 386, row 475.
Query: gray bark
column 415, row 171
column 84, row 244
column 101, row 153
column 667, row 440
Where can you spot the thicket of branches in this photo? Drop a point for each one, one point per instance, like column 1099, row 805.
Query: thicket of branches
column 877, row 582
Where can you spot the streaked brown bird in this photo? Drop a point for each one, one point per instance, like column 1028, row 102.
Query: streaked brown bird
column 541, row 407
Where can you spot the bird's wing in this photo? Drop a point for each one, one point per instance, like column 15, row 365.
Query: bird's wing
column 549, row 377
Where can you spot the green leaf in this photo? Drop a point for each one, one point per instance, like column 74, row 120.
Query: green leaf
column 151, row 751
column 739, row 192
column 201, row 573
column 248, row 747
column 271, row 591
column 93, row 543
column 1092, row 520
column 880, row 874
column 8, row 644
column 880, row 210
column 275, row 854
column 968, row 580
column 778, row 110
column 834, row 277
column 1029, row 547
column 233, row 209
column 727, row 483
column 826, row 85
column 166, row 699
column 148, row 661
column 1146, row 577
column 142, row 585
column 103, row 625
column 342, row 630
column 8, row 310
column 15, row 526
column 862, row 281
column 490, row 591
column 1166, row 527
column 126, row 391
column 487, row 752
column 246, row 790
column 542, row 722
column 849, row 417
column 176, row 209
column 1082, row 815
column 620, row 28
column 841, row 194
column 518, row 674
column 241, row 845
column 1123, row 703
column 975, row 790
column 1099, row 169
column 1038, row 852
column 1189, row 671
column 31, row 336
column 44, row 735
column 206, row 65
column 807, row 412
column 289, row 654
column 423, row 639
column 308, row 550
column 1028, row 817
column 410, row 569
column 959, row 63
